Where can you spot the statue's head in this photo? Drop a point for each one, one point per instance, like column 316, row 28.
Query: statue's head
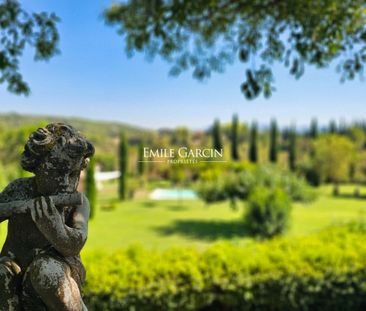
column 57, row 154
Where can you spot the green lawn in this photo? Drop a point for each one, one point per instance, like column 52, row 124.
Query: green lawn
column 160, row 224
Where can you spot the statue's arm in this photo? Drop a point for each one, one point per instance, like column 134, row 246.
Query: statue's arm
column 11, row 208
column 5, row 212
column 10, row 204
column 67, row 240
column 7, row 209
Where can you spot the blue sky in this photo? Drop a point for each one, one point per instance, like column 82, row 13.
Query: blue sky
column 93, row 78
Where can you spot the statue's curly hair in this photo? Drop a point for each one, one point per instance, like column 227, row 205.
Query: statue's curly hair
column 43, row 140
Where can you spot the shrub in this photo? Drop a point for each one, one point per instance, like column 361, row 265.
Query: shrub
column 268, row 212
column 213, row 191
column 311, row 174
column 238, row 184
column 326, row 272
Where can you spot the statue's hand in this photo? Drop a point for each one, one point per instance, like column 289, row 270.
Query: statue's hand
column 46, row 216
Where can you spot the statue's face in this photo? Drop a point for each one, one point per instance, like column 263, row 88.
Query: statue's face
column 60, row 170
column 56, row 154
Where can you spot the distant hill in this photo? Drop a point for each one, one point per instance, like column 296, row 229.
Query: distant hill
column 103, row 134
column 86, row 126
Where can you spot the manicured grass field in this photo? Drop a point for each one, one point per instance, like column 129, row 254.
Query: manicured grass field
column 160, row 224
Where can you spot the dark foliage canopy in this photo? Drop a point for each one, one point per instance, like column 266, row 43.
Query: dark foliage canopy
column 18, row 30
column 253, row 143
column 205, row 36
column 216, row 135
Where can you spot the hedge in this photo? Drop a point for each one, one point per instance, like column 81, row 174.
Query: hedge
column 326, row 271
column 238, row 183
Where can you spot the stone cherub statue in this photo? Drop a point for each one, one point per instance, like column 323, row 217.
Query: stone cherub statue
column 40, row 266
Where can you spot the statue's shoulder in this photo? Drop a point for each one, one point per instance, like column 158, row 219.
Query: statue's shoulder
column 18, row 189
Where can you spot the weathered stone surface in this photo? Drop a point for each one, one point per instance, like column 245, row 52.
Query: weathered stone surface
column 40, row 266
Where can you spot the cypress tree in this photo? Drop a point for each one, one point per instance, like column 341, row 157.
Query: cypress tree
column 292, row 150
column 313, row 134
column 253, row 143
column 273, row 148
column 342, row 127
column 123, row 167
column 332, row 127
column 314, row 131
column 216, row 135
column 140, row 159
column 235, row 138
column 91, row 187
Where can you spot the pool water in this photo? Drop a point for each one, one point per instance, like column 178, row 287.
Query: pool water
column 173, row 194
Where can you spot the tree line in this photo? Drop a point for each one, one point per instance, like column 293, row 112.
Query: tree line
column 330, row 152
column 319, row 153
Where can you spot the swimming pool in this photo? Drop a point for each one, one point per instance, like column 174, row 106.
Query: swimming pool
column 173, row 194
